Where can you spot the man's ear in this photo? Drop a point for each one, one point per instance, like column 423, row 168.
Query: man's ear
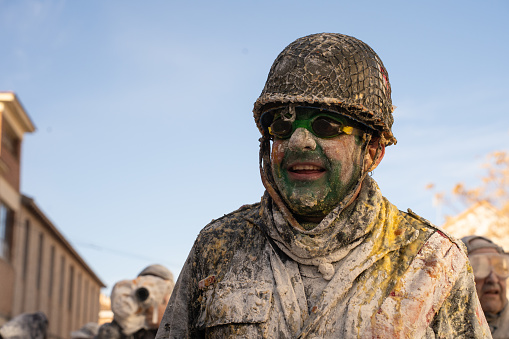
column 370, row 163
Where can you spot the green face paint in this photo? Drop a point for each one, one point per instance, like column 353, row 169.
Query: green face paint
column 312, row 174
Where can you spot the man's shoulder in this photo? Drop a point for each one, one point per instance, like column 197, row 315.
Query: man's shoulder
column 235, row 233
column 232, row 225
column 431, row 229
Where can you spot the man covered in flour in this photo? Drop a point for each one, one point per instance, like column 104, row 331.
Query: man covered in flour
column 490, row 264
column 324, row 254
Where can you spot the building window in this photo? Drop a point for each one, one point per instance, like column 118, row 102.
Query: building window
column 10, row 142
column 26, row 249
column 62, row 279
column 51, row 271
column 6, row 224
column 71, row 287
column 86, row 301
column 39, row 261
column 79, row 304
column 94, row 301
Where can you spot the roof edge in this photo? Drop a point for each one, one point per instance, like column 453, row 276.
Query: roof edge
column 11, row 99
column 29, row 203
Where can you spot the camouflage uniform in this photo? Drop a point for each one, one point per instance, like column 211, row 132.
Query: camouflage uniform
column 404, row 279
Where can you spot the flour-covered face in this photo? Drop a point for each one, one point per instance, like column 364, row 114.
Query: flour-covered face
column 491, row 285
column 314, row 174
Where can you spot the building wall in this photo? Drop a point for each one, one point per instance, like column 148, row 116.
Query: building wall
column 6, row 290
column 49, row 278
column 481, row 219
column 39, row 269
column 10, row 199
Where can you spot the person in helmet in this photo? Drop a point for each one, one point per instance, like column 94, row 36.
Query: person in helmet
column 138, row 304
column 26, row 326
column 491, row 269
column 324, row 254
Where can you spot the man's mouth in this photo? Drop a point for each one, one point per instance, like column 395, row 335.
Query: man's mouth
column 305, row 171
column 491, row 292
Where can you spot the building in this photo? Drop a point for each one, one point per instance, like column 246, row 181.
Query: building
column 39, row 269
column 105, row 312
column 14, row 123
column 482, row 219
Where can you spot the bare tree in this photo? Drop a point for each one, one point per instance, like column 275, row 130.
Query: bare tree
column 494, row 187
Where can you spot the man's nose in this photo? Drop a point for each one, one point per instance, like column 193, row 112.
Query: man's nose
column 302, row 140
column 492, row 277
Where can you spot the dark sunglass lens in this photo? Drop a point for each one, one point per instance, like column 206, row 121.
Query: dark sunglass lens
column 281, row 128
column 325, row 127
column 266, row 119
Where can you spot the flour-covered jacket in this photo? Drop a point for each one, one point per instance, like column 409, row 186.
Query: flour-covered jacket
column 371, row 272
column 499, row 323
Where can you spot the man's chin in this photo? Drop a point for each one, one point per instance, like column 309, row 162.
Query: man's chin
column 305, row 203
column 492, row 304
column 308, row 213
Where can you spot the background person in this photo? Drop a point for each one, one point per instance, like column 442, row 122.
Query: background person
column 26, row 326
column 87, row 331
column 138, row 305
column 491, row 270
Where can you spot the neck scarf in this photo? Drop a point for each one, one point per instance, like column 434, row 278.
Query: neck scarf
column 371, row 244
column 333, row 238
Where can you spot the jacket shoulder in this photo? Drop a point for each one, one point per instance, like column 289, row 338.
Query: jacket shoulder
column 232, row 224
column 435, row 229
column 221, row 238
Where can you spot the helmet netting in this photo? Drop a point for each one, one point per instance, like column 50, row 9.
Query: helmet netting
column 336, row 70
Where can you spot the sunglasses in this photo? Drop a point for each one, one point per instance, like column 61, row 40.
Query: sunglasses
column 280, row 123
column 484, row 264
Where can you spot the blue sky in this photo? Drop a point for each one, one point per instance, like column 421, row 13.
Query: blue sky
column 143, row 108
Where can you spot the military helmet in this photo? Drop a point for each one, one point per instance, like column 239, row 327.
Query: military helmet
column 158, row 271
column 482, row 242
column 332, row 71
